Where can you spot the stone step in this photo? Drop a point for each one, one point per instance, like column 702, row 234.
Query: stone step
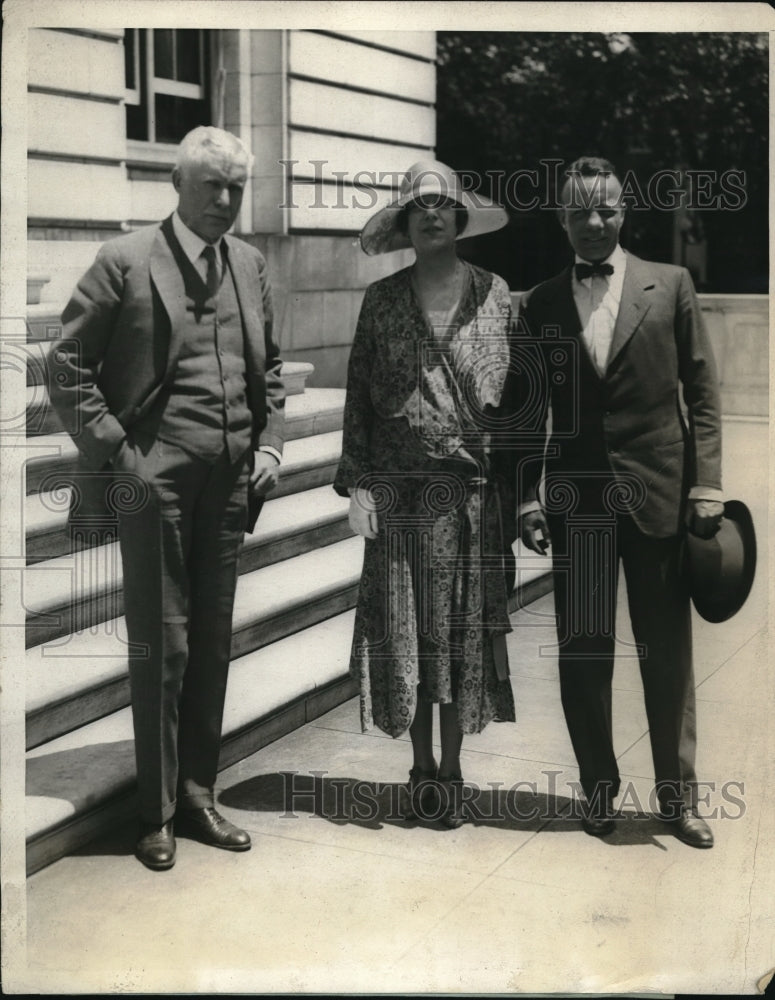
column 82, row 783
column 82, row 673
column 35, row 283
column 287, row 525
column 307, row 462
column 94, row 656
column 34, row 355
column 43, row 322
column 81, row 590
column 318, row 411
column 44, row 328
column 311, row 412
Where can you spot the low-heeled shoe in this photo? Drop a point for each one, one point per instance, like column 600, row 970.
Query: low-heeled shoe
column 452, row 797
column 423, row 794
column 690, row 828
column 156, row 846
column 208, row 826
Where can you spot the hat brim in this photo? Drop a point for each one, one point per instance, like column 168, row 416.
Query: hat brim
column 719, row 596
column 381, row 235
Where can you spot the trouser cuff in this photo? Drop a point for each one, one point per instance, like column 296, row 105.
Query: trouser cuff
column 156, row 817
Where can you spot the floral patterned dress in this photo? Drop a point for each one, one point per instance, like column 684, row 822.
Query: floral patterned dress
column 423, row 407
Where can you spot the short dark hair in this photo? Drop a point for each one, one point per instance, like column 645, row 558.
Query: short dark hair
column 461, row 219
column 585, row 166
column 590, row 166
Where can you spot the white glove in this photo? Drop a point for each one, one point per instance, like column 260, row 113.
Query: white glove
column 363, row 519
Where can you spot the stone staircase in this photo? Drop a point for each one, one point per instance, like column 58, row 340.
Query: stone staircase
column 292, row 623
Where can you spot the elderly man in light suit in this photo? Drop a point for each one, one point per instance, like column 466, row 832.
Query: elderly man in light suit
column 168, row 376
column 626, row 473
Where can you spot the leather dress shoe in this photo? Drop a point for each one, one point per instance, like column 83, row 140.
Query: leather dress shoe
column 156, row 846
column 598, row 826
column 208, row 826
column 598, row 821
column 691, row 828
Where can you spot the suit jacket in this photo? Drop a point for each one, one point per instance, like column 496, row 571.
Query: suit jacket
column 122, row 334
column 626, row 432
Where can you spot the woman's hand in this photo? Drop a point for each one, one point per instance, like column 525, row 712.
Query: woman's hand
column 534, row 531
column 362, row 516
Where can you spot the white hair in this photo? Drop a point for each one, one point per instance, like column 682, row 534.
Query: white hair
column 203, row 140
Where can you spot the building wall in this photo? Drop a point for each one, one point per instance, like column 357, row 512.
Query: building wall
column 318, row 283
column 738, row 326
column 321, row 112
column 333, row 121
column 76, row 146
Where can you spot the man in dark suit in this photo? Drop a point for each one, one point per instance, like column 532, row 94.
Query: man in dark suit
column 614, row 341
column 168, row 378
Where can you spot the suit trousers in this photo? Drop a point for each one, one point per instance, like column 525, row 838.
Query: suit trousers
column 180, row 553
column 586, row 555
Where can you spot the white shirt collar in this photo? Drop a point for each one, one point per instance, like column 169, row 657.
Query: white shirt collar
column 617, row 259
column 192, row 244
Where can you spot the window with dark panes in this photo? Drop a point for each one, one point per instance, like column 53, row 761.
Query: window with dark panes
column 167, row 82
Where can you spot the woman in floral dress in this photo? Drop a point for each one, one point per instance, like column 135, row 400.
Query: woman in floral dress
column 421, row 466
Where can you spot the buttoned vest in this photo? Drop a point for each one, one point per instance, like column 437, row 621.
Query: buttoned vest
column 204, row 407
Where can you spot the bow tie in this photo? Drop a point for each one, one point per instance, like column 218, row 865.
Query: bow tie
column 587, row 270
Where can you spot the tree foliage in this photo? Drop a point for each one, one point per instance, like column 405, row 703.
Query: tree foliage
column 646, row 101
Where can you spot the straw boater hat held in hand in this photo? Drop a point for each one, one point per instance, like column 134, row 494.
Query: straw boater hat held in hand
column 430, row 179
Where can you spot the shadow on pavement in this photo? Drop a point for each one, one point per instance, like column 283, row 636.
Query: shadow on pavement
column 373, row 805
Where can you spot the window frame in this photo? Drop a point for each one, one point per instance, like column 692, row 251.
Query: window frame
column 148, row 85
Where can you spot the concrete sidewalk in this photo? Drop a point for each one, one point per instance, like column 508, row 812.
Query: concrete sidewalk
column 338, row 894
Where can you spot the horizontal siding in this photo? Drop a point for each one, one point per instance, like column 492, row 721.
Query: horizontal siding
column 68, row 62
column 63, row 262
column 76, row 127
column 76, row 191
column 320, row 106
column 351, row 156
column 345, row 63
column 416, row 43
column 331, row 208
column 151, row 200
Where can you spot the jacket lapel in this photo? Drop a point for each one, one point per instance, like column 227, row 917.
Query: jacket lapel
column 635, row 303
column 568, row 314
column 251, row 308
column 167, row 277
column 567, row 317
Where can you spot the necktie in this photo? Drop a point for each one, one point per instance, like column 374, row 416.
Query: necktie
column 212, row 271
column 587, row 270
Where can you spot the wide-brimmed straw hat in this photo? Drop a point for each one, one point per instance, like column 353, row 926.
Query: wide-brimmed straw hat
column 721, row 568
column 430, row 178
